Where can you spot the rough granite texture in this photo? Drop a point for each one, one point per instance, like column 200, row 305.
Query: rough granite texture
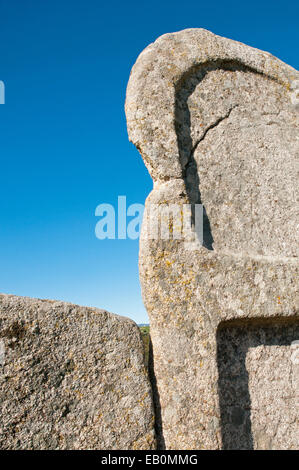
column 216, row 124
column 71, row 378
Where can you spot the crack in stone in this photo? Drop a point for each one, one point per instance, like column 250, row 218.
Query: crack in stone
column 212, row 126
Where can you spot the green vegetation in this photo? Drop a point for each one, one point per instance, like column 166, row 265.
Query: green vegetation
column 145, row 333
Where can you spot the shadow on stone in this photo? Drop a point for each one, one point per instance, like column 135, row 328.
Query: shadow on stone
column 186, row 151
column 233, row 343
column 156, row 400
column 184, row 89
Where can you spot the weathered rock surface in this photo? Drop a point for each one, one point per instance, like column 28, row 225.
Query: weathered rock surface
column 216, row 123
column 71, row 378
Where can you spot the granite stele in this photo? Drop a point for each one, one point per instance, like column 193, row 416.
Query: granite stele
column 216, row 123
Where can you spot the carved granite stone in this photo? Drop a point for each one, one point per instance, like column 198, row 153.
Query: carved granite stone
column 71, row 378
column 216, row 123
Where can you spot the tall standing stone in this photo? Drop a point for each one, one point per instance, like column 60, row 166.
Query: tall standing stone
column 216, row 123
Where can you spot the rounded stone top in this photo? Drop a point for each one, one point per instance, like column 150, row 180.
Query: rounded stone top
column 157, row 77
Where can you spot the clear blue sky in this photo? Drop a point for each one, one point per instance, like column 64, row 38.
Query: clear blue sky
column 64, row 146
